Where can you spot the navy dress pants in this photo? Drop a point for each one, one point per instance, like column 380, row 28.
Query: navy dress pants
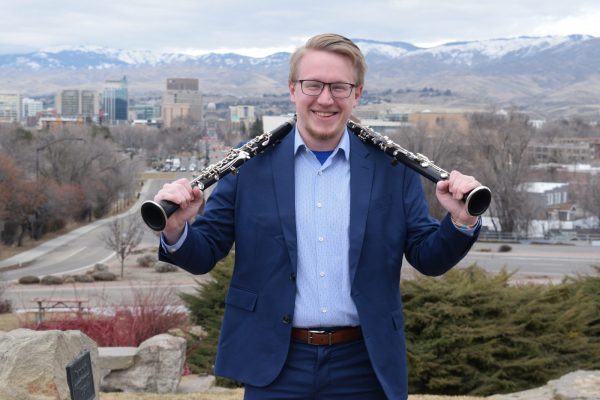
column 342, row 371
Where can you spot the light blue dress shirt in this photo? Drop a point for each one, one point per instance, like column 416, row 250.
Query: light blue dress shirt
column 322, row 201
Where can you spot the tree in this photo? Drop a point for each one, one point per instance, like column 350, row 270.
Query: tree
column 441, row 144
column 124, row 235
column 256, row 128
column 499, row 143
column 20, row 199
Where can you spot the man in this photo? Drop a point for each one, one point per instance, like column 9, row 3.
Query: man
column 321, row 223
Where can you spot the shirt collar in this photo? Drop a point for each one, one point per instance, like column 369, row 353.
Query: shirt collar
column 343, row 146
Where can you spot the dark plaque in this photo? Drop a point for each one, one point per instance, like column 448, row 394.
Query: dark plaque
column 81, row 378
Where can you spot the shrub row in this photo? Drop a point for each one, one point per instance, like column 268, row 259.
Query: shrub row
column 58, row 280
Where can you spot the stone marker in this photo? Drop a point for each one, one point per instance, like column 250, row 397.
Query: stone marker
column 80, row 377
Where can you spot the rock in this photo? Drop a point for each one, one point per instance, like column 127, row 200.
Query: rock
column 157, row 368
column 100, row 267
column 114, row 358
column 578, row 385
column 543, row 393
column 34, row 363
column 196, row 383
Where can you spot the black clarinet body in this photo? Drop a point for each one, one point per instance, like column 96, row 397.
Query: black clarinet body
column 477, row 200
column 155, row 214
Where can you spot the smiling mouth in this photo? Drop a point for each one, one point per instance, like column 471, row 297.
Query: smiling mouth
column 324, row 114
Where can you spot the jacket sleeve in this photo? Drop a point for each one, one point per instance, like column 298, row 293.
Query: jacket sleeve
column 432, row 247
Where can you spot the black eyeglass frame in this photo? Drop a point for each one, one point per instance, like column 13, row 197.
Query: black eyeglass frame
column 328, row 84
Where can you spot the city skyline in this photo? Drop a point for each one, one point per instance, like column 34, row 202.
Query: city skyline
column 259, row 29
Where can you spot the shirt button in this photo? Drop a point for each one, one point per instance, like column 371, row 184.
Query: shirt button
column 321, row 274
column 321, row 239
column 324, row 309
column 319, row 205
column 320, row 173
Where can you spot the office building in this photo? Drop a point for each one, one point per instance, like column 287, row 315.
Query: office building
column 31, row 107
column 182, row 102
column 73, row 103
column 115, row 101
column 10, row 107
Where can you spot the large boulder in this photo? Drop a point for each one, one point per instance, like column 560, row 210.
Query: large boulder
column 33, row 363
column 578, row 385
column 157, row 367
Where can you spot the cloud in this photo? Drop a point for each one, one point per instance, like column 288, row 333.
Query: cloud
column 257, row 27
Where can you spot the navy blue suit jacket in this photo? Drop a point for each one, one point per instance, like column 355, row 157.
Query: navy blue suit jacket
column 255, row 209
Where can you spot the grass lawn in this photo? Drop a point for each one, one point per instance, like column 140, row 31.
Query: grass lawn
column 233, row 394
column 8, row 322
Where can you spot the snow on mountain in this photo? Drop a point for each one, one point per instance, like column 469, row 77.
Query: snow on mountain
column 463, row 53
column 494, row 49
column 386, row 49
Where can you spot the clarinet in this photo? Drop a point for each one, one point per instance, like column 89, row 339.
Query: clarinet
column 155, row 214
column 477, row 200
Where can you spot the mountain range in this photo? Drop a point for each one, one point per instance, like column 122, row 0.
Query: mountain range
column 554, row 75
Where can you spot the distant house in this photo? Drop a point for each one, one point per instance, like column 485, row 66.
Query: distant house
column 550, row 200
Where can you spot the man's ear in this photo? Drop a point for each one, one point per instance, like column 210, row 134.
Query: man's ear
column 357, row 94
column 292, row 88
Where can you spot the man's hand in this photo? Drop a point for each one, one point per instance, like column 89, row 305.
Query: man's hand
column 450, row 193
column 190, row 200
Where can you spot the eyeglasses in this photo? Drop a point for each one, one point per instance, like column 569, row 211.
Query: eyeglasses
column 339, row 90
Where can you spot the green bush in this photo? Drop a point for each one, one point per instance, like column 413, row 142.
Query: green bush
column 147, row 261
column 162, row 267
column 207, row 306
column 29, row 280
column 51, row 280
column 104, row 276
column 471, row 333
column 504, row 248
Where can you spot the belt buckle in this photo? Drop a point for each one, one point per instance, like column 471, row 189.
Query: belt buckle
column 311, row 332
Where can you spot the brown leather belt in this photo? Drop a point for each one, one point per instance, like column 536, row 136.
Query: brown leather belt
column 326, row 338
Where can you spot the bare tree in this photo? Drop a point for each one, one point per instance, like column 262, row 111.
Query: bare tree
column 125, row 234
column 499, row 149
column 441, row 144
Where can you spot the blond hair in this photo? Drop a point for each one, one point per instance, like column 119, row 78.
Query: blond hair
column 333, row 43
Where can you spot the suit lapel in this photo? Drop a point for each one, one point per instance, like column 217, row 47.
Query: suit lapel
column 361, row 181
column 283, row 176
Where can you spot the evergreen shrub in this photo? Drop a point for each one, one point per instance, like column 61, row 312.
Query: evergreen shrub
column 207, row 306
column 29, row 280
column 472, row 333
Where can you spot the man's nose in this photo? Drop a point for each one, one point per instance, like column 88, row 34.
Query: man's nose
column 325, row 96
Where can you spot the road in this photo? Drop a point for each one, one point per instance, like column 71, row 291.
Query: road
column 83, row 251
column 536, row 261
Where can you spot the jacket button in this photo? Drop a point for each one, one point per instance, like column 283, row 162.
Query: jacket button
column 293, row 276
column 287, row 319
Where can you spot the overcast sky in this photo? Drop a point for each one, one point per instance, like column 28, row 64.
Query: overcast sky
column 259, row 28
